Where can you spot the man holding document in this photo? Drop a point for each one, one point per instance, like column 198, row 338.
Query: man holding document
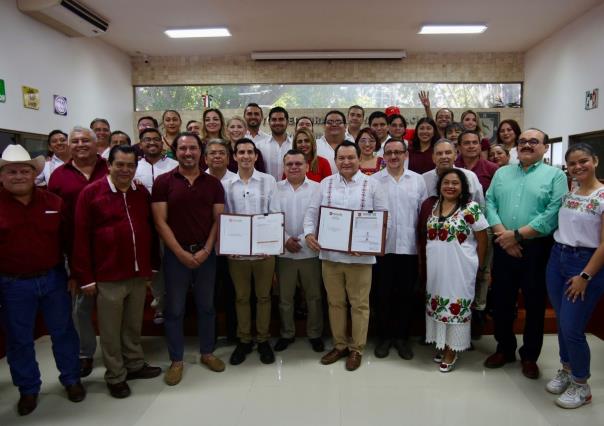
column 251, row 193
column 347, row 197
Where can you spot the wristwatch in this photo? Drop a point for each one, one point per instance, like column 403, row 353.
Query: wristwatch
column 517, row 236
column 585, row 276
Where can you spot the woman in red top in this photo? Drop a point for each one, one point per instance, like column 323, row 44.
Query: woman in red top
column 420, row 149
column 367, row 140
column 319, row 168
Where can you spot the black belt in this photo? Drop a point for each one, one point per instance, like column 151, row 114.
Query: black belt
column 193, row 248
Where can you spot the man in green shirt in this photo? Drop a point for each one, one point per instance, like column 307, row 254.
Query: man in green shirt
column 522, row 208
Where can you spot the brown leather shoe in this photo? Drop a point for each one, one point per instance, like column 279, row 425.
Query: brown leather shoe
column 353, row 361
column 145, row 372
column 334, row 355
column 498, row 359
column 212, row 362
column 85, row 367
column 76, row 392
column 530, row 369
column 27, row 404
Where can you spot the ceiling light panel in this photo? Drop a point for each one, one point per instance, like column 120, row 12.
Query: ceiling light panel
column 197, row 32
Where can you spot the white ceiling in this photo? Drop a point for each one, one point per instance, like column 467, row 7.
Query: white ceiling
column 514, row 25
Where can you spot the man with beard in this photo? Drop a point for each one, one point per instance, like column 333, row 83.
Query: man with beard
column 522, row 208
column 278, row 144
column 253, row 118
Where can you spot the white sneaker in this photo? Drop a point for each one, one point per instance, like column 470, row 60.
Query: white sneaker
column 558, row 384
column 575, row 396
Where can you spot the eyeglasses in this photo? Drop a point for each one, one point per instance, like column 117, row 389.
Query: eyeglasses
column 334, row 122
column 396, row 153
column 155, row 139
column 531, row 142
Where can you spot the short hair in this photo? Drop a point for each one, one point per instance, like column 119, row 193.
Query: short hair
column 148, row 130
column 356, row 107
column 305, row 117
column 119, row 132
column 191, row 121
column 582, row 146
column 455, row 125
column 126, row 149
column 345, row 144
column 293, row 152
column 335, row 111
column 435, row 137
column 183, row 134
column 445, row 109
column 219, row 142
column 513, row 124
column 99, row 120
column 204, row 133
column 148, row 117
column 253, row 105
column 442, row 141
column 371, row 133
column 545, row 135
column 392, row 140
column 81, row 129
column 468, row 132
column 276, row 110
column 55, row 132
column 244, row 141
column 393, row 117
column 465, row 197
column 377, row 114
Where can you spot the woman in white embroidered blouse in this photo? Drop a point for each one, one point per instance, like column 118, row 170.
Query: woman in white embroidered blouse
column 575, row 282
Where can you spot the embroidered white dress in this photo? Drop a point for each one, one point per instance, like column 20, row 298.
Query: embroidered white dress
column 451, row 264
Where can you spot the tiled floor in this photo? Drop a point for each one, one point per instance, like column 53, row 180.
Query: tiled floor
column 297, row 390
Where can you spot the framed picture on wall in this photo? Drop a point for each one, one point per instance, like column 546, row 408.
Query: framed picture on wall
column 489, row 122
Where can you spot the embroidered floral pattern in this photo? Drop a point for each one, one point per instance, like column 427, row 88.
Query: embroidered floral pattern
column 448, row 311
column 455, row 227
column 590, row 205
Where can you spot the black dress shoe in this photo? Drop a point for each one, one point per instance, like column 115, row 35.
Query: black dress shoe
column 85, row 367
column 145, row 372
column 382, row 349
column 403, row 347
column 27, row 404
column 240, row 352
column 283, row 343
column 317, row 344
column 119, row 390
column 266, row 353
column 76, row 392
column 477, row 324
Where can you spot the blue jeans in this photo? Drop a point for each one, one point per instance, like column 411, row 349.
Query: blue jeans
column 178, row 278
column 20, row 300
column 572, row 318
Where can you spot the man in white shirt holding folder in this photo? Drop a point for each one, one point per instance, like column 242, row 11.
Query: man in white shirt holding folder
column 345, row 275
column 250, row 192
column 294, row 194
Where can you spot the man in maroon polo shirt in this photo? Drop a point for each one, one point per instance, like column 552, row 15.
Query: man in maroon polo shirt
column 186, row 204
column 67, row 182
column 469, row 158
column 113, row 247
column 33, row 278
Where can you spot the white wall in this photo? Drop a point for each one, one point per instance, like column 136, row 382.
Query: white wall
column 95, row 77
column 558, row 72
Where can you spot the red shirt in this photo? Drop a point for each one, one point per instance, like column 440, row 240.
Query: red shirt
column 114, row 237
column 420, row 162
column 67, row 182
column 190, row 207
column 484, row 169
column 30, row 235
column 323, row 170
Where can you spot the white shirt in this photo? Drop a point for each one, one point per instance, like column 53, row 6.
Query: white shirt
column 294, row 203
column 146, row 173
column 380, row 152
column 260, row 137
column 361, row 193
column 348, row 136
column 431, row 179
column 580, row 219
column 227, row 176
column 49, row 166
column 405, row 198
column 325, row 150
column 273, row 153
column 105, row 153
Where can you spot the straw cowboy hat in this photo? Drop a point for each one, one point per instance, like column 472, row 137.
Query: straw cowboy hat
column 16, row 154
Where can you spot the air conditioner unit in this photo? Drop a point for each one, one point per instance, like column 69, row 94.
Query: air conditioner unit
column 67, row 16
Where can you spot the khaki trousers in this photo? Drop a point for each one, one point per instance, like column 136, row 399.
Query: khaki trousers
column 120, row 306
column 352, row 280
column 241, row 273
column 309, row 273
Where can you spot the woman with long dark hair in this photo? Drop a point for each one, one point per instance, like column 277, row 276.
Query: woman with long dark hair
column 420, row 151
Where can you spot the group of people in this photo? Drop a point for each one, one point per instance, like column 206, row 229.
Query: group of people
column 115, row 218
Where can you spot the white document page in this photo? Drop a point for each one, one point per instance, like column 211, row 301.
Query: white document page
column 267, row 234
column 334, row 229
column 235, row 234
column 367, row 232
